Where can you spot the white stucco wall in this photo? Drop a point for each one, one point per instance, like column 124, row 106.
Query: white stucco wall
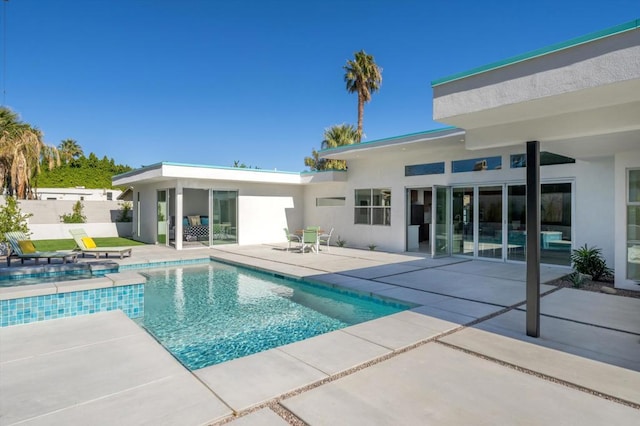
column 593, row 184
column 263, row 209
column 61, row 230
column 594, row 220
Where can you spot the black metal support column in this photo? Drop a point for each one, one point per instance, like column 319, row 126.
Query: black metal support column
column 533, row 238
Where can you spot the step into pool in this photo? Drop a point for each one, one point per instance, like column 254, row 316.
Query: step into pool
column 39, row 274
column 208, row 314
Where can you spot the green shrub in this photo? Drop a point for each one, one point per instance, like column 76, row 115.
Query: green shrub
column 125, row 212
column 577, row 279
column 372, row 247
column 12, row 219
column 77, row 216
column 340, row 242
column 588, row 260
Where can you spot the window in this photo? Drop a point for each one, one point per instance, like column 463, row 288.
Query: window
column 424, row 169
column 476, row 164
column 330, row 201
column 373, row 207
column 109, row 196
column 546, row 159
column 633, row 225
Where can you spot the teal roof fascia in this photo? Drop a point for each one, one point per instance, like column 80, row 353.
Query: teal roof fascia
column 627, row 26
column 389, row 139
column 317, row 172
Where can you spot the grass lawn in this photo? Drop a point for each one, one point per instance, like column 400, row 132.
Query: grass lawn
column 70, row 244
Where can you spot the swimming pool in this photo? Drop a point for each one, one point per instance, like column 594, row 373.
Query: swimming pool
column 208, row 314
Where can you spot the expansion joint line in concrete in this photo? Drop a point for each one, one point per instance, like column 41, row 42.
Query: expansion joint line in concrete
column 275, row 405
column 262, row 259
column 272, row 405
column 542, row 376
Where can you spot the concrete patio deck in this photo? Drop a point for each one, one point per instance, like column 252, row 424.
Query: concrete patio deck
column 461, row 356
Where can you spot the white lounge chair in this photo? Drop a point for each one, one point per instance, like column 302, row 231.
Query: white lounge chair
column 86, row 245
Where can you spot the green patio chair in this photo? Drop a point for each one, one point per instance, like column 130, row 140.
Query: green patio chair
column 291, row 238
column 310, row 240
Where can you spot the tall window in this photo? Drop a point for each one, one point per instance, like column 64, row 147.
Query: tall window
column 633, row 225
column 373, row 206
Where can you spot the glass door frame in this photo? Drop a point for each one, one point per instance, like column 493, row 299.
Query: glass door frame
column 164, row 221
column 217, row 225
column 447, row 226
column 503, row 235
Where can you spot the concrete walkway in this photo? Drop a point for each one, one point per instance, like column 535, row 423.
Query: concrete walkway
column 460, row 357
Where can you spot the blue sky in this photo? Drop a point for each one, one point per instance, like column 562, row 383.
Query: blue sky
column 211, row 82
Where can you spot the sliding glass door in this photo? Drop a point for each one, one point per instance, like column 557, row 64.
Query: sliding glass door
column 463, row 221
column 556, row 229
column 162, row 208
column 441, row 219
column 223, row 227
column 490, row 222
column 516, row 222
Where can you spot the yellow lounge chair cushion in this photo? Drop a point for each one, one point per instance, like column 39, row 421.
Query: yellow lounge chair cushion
column 89, row 243
column 27, row 246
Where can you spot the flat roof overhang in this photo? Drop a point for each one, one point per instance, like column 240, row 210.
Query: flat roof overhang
column 170, row 172
column 438, row 138
column 580, row 98
column 163, row 172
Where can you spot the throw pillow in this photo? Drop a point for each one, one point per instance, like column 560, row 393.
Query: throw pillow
column 89, row 243
column 26, row 246
column 194, row 220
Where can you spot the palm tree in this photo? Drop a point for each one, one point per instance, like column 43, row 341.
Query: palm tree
column 70, row 150
column 334, row 136
column 22, row 152
column 364, row 77
column 315, row 162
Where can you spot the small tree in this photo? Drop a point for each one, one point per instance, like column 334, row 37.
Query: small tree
column 77, row 216
column 125, row 211
column 12, row 219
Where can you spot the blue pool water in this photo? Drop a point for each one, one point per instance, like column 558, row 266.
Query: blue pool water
column 208, row 314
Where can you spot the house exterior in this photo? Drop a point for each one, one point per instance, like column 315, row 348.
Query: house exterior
column 455, row 191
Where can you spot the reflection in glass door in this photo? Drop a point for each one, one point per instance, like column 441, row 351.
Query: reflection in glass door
column 162, row 217
column 490, row 222
column 463, row 231
column 441, row 243
column 224, row 226
column 516, row 222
